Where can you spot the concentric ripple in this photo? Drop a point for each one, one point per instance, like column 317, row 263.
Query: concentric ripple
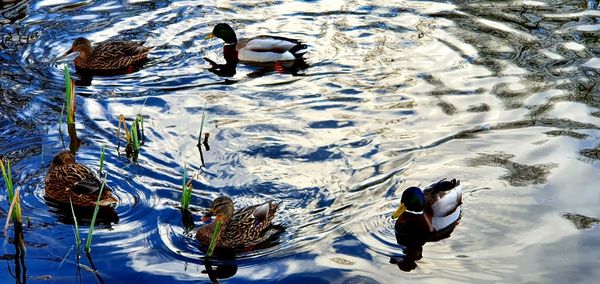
column 502, row 96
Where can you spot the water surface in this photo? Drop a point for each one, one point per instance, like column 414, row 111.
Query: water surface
column 501, row 95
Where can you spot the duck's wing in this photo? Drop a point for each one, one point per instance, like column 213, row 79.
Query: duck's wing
column 267, row 44
column 118, row 54
column 247, row 224
column 121, row 48
column 85, row 181
column 443, row 197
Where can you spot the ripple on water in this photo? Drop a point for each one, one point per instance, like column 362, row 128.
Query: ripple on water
column 499, row 95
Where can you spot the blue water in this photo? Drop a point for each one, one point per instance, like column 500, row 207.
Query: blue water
column 501, row 95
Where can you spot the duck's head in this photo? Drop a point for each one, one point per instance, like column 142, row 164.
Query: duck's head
column 83, row 45
column 222, row 208
column 413, row 201
column 63, row 158
column 224, row 32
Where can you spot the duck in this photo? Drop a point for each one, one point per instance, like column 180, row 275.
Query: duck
column 108, row 55
column 425, row 214
column 68, row 181
column 235, row 229
column 259, row 49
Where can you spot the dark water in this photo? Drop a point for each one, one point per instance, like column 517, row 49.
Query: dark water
column 501, row 95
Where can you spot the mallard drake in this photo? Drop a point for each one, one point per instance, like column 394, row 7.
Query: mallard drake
column 235, row 229
column 67, row 178
column 424, row 213
column 109, row 55
column 259, row 49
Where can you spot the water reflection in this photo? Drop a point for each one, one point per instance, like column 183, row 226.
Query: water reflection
column 413, row 249
column 225, row 267
column 107, row 216
column 20, row 270
column 503, row 94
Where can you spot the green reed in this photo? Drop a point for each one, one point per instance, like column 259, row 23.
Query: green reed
column 134, row 137
column 213, row 240
column 102, row 158
column 186, row 188
column 69, row 97
column 88, row 242
column 77, row 238
column 8, row 181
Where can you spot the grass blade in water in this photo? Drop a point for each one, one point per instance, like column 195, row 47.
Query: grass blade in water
column 186, row 191
column 77, row 238
column 7, row 175
column 102, row 158
column 88, row 242
column 69, row 97
column 213, row 240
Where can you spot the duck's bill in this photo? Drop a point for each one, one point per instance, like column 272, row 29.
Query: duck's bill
column 209, row 36
column 399, row 211
column 71, row 50
column 207, row 216
column 215, row 237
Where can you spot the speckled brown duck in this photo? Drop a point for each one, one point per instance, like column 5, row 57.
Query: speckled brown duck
column 67, row 178
column 237, row 228
column 108, row 56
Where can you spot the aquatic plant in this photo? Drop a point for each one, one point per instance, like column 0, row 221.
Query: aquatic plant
column 186, row 189
column 102, row 158
column 201, row 125
column 69, row 96
column 77, row 238
column 13, row 197
column 213, row 240
column 134, row 138
column 88, row 242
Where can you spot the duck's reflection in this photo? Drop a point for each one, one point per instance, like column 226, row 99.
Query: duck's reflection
column 413, row 247
column 225, row 267
column 20, row 272
column 85, row 77
column 106, row 214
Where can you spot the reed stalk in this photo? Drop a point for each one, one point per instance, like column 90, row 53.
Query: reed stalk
column 77, row 238
column 7, row 175
column 88, row 242
column 102, row 158
column 202, row 125
column 213, row 240
column 186, row 189
column 134, row 135
column 11, row 209
column 69, row 96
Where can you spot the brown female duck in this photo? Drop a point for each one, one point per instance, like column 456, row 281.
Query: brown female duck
column 109, row 55
column 66, row 178
column 235, row 229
